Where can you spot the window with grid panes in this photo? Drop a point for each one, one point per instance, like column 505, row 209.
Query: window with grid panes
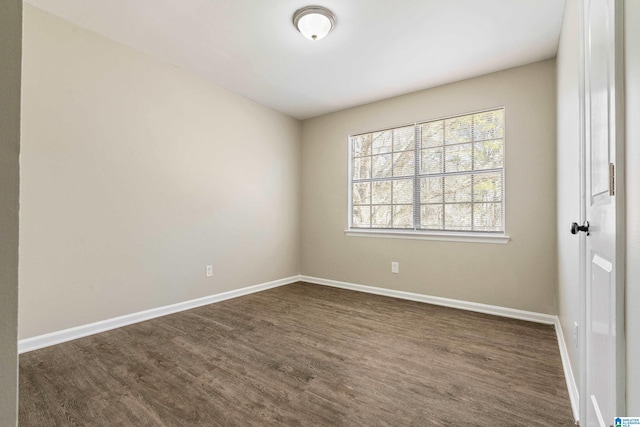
column 437, row 175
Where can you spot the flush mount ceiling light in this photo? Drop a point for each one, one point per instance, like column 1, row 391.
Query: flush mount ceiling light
column 314, row 22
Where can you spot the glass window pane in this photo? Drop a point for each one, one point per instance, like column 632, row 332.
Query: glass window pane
column 403, row 191
column 362, row 168
column 488, row 154
column 487, row 187
column 431, row 190
column 431, row 160
column 487, row 217
column 403, row 216
column 361, row 216
column 382, row 142
column 381, row 192
column 457, row 130
column 457, row 216
column 453, row 196
column 403, row 138
column 403, row 163
column 361, row 193
column 381, row 166
column 431, row 217
column 488, row 125
column 381, row 216
column 362, row 145
column 432, row 134
column 457, row 188
column 457, row 158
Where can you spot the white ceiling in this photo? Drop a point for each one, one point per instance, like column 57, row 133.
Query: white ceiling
column 379, row 48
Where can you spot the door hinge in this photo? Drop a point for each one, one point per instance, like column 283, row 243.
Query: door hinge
column 612, row 179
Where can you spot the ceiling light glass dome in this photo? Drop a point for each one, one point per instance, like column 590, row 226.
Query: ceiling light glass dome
column 314, row 22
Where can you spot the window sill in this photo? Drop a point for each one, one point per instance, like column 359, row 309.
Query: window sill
column 439, row 236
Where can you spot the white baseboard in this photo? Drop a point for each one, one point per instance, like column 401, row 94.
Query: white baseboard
column 46, row 340
column 572, row 387
column 547, row 319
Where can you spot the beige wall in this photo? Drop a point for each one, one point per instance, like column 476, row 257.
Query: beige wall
column 632, row 107
column 568, row 70
column 135, row 175
column 10, row 58
column 521, row 274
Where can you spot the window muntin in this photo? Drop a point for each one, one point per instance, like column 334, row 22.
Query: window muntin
column 438, row 175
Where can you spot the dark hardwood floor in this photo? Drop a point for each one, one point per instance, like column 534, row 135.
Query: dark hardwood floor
column 303, row 355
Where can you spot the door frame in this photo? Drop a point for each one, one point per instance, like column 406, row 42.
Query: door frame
column 618, row 129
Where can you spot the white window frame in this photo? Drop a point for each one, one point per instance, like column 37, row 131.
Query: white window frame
column 416, row 234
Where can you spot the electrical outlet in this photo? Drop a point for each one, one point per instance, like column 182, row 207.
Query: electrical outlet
column 575, row 334
column 395, row 267
column 209, row 271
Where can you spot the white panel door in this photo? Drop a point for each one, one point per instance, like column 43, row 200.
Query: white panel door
column 600, row 352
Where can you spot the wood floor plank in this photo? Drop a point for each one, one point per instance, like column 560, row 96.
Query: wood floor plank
column 303, row 355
